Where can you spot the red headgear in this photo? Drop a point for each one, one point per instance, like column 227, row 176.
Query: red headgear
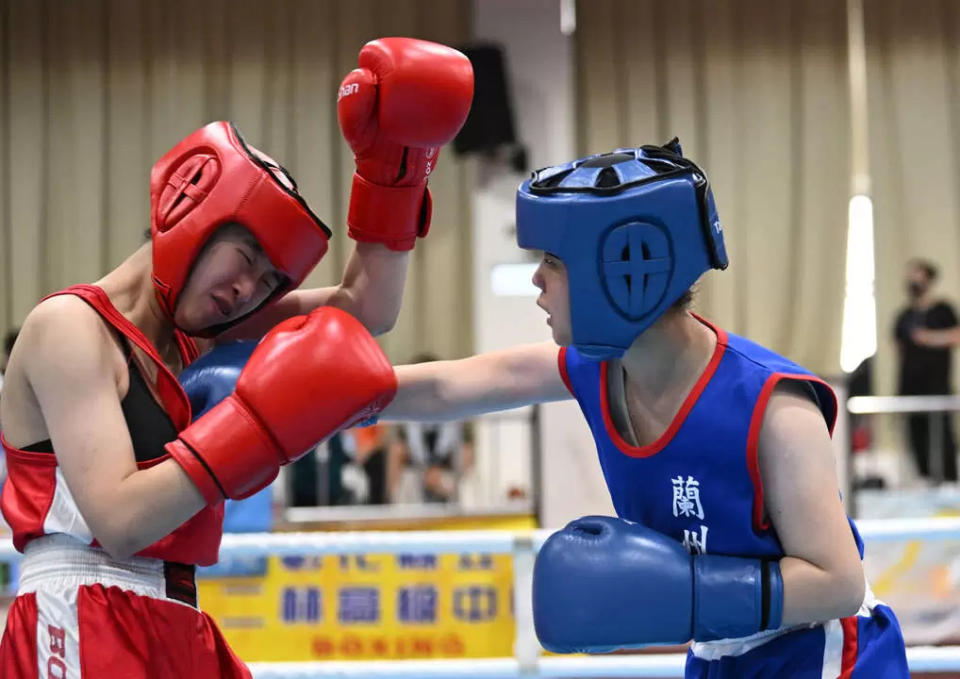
column 213, row 178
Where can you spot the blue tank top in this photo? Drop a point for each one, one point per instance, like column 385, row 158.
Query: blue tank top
column 700, row 481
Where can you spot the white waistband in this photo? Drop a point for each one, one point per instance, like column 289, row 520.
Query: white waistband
column 57, row 561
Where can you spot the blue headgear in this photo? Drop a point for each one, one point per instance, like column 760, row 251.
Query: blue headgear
column 635, row 228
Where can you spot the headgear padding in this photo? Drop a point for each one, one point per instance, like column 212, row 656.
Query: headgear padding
column 213, row 178
column 635, row 229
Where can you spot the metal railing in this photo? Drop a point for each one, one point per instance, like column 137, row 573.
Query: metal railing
column 938, row 408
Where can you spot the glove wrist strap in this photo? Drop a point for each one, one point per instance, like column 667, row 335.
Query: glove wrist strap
column 392, row 215
column 235, row 448
column 735, row 597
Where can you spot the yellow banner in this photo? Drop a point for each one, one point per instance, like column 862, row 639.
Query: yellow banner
column 367, row 606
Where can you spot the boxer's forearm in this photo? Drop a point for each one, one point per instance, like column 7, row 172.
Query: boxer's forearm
column 372, row 286
column 146, row 506
column 441, row 390
column 813, row 594
column 452, row 390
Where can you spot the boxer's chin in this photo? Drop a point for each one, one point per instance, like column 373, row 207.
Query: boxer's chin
column 561, row 336
column 192, row 320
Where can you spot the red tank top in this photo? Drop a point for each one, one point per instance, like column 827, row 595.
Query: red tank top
column 36, row 500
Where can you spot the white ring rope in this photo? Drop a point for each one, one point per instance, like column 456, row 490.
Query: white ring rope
column 493, row 541
column 920, row 659
column 650, row 665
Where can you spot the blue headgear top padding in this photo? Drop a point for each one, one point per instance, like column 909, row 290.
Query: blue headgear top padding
column 635, row 229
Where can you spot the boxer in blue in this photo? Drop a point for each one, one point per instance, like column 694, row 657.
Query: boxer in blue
column 716, row 451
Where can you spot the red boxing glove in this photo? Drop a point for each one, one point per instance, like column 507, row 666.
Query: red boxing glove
column 310, row 377
column 408, row 98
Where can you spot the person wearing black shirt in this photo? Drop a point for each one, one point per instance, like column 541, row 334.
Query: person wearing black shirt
column 926, row 331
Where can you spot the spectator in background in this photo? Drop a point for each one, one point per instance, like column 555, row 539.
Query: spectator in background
column 7, row 585
column 328, row 475
column 439, row 454
column 926, row 331
column 370, row 450
column 303, row 477
column 349, row 468
column 8, row 341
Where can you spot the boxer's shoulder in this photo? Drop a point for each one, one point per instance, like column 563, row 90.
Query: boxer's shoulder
column 60, row 311
column 63, row 350
column 66, row 332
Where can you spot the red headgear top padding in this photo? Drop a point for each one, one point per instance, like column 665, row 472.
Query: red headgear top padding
column 213, row 178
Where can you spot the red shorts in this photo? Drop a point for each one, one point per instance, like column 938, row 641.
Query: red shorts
column 79, row 613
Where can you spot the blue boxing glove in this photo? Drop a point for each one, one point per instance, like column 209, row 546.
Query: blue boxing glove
column 604, row 583
column 207, row 381
column 213, row 376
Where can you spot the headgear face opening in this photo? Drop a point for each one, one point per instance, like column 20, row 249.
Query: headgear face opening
column 635, row 229
column 210, row 179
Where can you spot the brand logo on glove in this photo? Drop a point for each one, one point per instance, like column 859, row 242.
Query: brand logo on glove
column 346, row 90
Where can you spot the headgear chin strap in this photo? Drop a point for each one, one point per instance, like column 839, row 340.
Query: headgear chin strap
column 635, row 229
column 213, row 178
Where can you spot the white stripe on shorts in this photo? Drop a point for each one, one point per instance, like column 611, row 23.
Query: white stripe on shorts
column 832, row 649
column 58, row 635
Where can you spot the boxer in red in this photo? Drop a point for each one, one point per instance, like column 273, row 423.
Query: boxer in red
column 113, row 494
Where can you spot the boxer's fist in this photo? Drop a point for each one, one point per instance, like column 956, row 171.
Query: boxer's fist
column 310, row 377
column 604, row 583
column 407, row 99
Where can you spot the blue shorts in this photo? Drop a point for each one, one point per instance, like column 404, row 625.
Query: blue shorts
column 865, row 646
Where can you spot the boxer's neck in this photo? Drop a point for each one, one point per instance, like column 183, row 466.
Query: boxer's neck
column 130, row 289
column 667, row 359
